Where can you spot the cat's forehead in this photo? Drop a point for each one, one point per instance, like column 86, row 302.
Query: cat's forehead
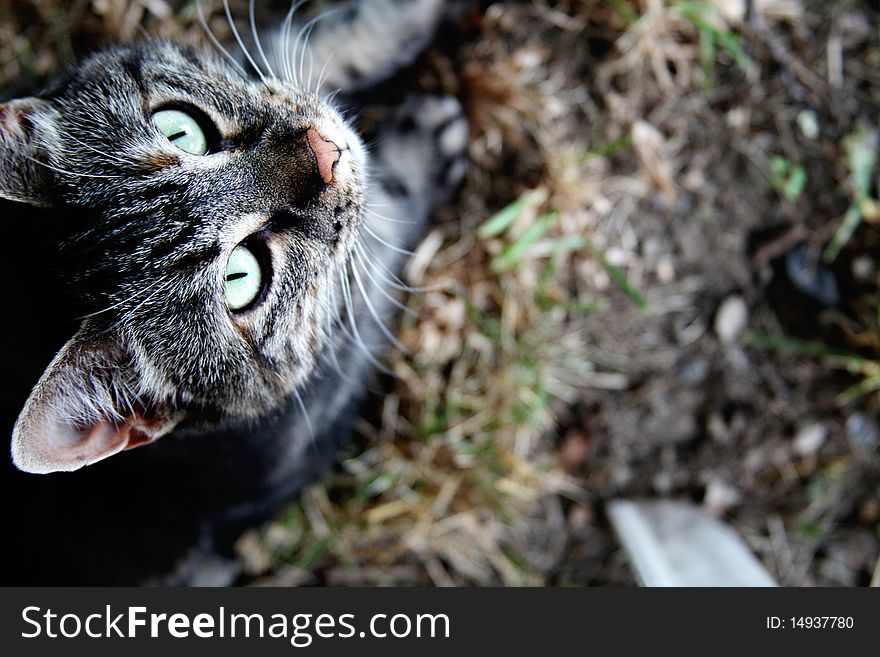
column 147, row 76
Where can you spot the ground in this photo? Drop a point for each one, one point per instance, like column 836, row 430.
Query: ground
column 659, row 280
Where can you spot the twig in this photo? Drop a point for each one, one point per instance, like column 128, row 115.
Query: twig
column 799, row 75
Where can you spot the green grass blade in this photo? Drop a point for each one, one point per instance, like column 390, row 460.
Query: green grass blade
column 861, row 159
column 504, row 218
column 851, row 220
column 852, row 361
column 618, row 277
column 513, row 252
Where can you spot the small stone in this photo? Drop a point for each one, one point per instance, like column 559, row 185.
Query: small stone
column 718, row 429
column 665, row 270
column 738, row 118
column 731, row 319
column 720, row 497
column 809, row 439
column 864, row 269
column 869, row 511
column 808, row 123
column 810, row 276
column 862, row 433
column 574, row 450
column 663, row 483
column 693, row 370
column 580, row 518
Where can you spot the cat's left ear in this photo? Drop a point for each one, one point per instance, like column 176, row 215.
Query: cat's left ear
column 26, row 129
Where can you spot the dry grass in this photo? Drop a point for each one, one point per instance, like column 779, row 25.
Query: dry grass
column 624, row 154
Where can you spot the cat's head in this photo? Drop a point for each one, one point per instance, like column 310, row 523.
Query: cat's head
column 209, row 218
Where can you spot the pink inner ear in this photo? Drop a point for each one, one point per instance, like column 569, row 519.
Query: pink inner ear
column 64, row 448
column 80, row 448
column 11, row 116
column 82, row 381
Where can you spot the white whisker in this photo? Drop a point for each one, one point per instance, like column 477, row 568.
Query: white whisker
column 311, row 68
column 367, row 269
column 159, row 288
column 112, row 158
column 388, row 219
column 324, row 72
column 71, row 173
column 215, row 41
column 389, row 276
column 238, row 39
column 305, row 414
column 334, row 361
column 329, row 98
column 306, row 31
column 372, row 310
column 257, row 41
column 302, row 55
column 293, row 55
column 153, row 289
column 286, row 31
column 349, row 305
column 386, row 244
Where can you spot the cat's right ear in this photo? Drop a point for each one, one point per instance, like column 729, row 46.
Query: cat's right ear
column 86, row 408
column 26, row 126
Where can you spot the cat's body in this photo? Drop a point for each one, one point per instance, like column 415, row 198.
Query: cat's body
column 119, row 245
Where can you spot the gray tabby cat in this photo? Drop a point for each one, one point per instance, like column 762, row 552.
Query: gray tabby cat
column 206, row 247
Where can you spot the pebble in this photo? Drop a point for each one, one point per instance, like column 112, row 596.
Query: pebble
column 580, row 518
column 663, row 483
column 721, row 497
column 693, row 370
column 809, row 439
column 665, row 270
column 810, row 276
column 862, row 433
column 574, row 450
column 809, row 124
column 869, row 511
column 718, row 429
column 864, row 269
column 731, row 319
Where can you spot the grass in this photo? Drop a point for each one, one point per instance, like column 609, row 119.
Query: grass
column 789, row 179
column 867, row 369
column 861, row 160
column 714, row 36
column 534, row 237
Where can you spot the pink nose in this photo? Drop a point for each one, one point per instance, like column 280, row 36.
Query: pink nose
column 326, row 154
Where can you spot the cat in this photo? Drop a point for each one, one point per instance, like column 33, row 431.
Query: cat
column 200, row 255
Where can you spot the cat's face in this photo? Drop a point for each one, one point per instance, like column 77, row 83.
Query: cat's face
column 209, row 219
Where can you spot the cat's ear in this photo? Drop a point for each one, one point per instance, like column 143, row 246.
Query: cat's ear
column 84, row 409
column 26, row 127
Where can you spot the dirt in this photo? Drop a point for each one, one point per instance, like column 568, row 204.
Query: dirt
column 728, row 425
column 687, row 208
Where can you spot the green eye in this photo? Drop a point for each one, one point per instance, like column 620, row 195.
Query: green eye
column 244, row 278
column 182, row 130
